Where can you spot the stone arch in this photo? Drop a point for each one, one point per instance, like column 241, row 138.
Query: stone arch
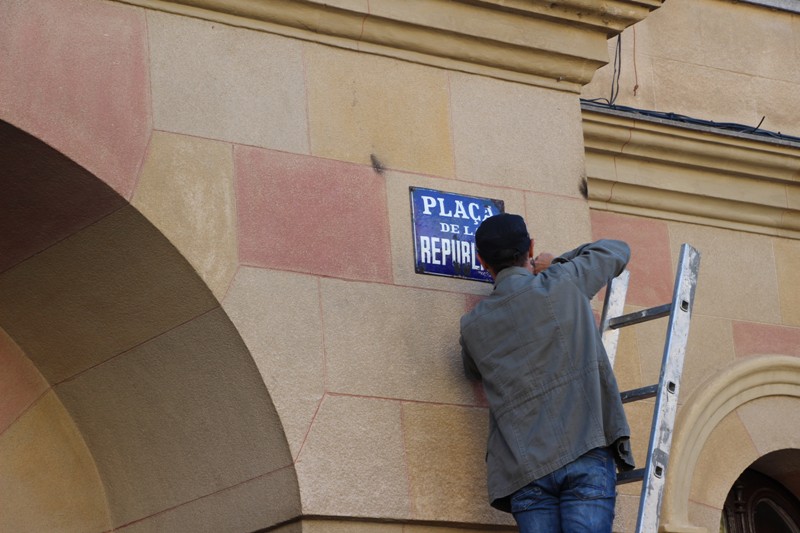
column 723, row 424
column 122, row 345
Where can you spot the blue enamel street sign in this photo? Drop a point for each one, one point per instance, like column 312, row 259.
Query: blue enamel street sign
column 444, row 232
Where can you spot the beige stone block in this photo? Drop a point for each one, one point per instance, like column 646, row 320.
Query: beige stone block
column 393, row 342
column 709, row 351
column 177, row 418
column 650, row 338
column 353, row 463
column 627, row 365
column 225, row 83
column 252, row 506
column 731, row 100
column 787, row 259
column 557, row 224
column 445, row 450
column 779, row 103
column 769, row 419
column 362, row 105
column 456, row 529
column 186, row 191
column 278, row 315
column 627, row 511
column 100, row 292
column 673, row 31
column 705, row 516
column 518, row 136
column 402, row 232
column 49, row 481
column 636, row 87
column 747, row 39
column 726, row 453
column 640, row 420
column 737, row 276
column 348, row 526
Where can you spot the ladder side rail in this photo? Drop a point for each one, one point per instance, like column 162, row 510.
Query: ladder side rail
column 613, row 306
column 668, row 389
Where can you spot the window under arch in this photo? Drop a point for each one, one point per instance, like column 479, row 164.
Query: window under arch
column 758, row 503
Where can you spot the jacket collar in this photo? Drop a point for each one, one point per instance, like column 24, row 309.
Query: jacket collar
column 510, row 272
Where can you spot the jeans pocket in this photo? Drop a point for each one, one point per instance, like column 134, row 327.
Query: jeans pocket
column 593, row 475
column 526, row 498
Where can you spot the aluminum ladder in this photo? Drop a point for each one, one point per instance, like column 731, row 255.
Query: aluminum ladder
column 679, row 311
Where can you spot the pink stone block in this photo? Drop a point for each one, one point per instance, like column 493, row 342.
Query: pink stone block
column 75, row 75
column 652, row 276
column 20, row 383
column 750, row 338
column 306, row 214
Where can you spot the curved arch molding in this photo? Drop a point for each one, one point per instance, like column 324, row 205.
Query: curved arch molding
column 132, row 343
column 750, row 380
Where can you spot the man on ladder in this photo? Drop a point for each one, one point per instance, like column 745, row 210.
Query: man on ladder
column 557, row 426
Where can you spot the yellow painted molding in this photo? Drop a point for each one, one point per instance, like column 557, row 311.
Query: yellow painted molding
column 745, row 381
column 657, row 169
column 558, row 45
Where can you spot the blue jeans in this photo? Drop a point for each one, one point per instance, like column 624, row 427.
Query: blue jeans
column 577, row 498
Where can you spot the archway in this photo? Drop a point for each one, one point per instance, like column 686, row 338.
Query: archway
column 731, row 422
column 124, row 347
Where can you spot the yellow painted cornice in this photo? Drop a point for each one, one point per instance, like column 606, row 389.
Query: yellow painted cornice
column 557, row 44
column 660, row 169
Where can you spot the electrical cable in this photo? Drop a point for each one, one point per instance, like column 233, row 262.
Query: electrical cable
column 675, row 117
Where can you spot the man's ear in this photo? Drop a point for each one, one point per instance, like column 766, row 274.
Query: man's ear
column 486, row 266
column 530, row 250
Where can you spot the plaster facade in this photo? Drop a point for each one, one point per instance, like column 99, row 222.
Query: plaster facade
column 209, row 315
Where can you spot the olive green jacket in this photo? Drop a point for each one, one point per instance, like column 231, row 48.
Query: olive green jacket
column 551, row 390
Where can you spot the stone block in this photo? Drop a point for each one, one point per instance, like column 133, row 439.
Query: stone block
column 352, row 463
column 747, row 39
column 77, row 78
column 769, row 420
column 363, row 106
column 778, row 102
column 20, row 382
column 512, row 135
column 98, row 293
column 186, row 190
column 673, row 31
column 731, row 284
column 732, row 100
column 726, row 453
column 231, row 84
column 445, row 449
column 312, row 215
column 751, row 338
column 557, row 224
column 178, row 418
column 787, row 259
column 709, row 352
column 278, row 316
column 49, row 480
column 393, row 342
column 251, row 506
column 651, row 265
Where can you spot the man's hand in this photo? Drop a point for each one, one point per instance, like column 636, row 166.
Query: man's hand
column 541, row 262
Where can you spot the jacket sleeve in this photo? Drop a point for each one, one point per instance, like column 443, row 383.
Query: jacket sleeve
column 592, row 265
column 470, row 369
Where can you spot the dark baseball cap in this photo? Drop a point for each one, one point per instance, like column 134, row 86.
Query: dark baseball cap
column 501, row 237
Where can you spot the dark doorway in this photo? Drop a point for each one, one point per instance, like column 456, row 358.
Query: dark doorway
column 759, row 504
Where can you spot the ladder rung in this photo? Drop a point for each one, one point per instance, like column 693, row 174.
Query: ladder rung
column 642, row 393
column 640, row 316
column 631, row 476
